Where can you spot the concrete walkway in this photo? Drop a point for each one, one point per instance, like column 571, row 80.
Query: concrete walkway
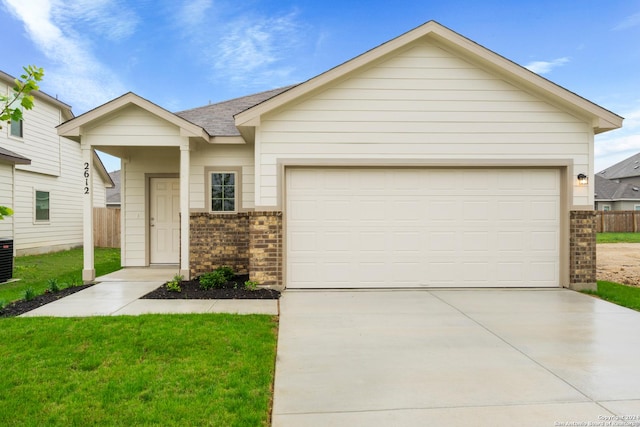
column 119, row 293
column 455, row 358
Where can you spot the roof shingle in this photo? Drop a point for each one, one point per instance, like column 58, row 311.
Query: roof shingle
column 217, row 119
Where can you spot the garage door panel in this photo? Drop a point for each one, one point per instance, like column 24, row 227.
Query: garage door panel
column 422, row 227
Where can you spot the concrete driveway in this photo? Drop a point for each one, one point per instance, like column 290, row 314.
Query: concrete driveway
column 455, row 358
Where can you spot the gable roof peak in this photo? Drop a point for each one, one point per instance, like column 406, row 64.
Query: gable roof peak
column 601, row 119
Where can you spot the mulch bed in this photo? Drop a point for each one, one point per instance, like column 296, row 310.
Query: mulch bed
column 233, row 289
column 17, row 308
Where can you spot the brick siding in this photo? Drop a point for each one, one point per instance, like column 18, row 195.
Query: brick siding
column 582, row 250
column 265, row 248
column 249, row 242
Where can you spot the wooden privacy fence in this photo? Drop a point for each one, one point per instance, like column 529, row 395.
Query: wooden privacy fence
column 106, row 227
column 617, row 221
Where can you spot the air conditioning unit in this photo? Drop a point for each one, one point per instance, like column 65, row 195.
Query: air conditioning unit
column 6, row 259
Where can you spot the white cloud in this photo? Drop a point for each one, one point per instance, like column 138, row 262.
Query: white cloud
column 77, row 75
column 194, row 12
column 628, row 22
column 612, row 147
column 544, row 67
column 246, row 49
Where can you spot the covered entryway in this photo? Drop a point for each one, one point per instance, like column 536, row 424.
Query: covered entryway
column 422, row 227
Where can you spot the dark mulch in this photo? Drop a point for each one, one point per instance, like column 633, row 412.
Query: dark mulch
column 17, row 308
column 234, row 289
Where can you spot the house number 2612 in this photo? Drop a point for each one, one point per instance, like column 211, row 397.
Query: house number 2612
column 86, row 178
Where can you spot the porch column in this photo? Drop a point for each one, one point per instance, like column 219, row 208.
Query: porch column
column 88, row 270
column 184, row 208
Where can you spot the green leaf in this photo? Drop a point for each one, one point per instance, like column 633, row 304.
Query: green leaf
column 5, row 211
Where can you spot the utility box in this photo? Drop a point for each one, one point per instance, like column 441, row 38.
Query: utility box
column 6, row 259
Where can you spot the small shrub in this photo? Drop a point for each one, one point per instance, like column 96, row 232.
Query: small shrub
column 217, row 278
column 251, row 285
column 226, row 271
column 174, row 285
column 29, row 293
column 52, row 285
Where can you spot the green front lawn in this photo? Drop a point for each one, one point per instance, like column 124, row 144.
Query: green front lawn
column 618, row 238
column 170, row 370
column 66, row 267
column 626, row 296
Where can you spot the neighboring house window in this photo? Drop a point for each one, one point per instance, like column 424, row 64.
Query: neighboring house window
column 223, row 191
column 606, row 207
column 15, row 129
column 636, row 207
column 42, row 205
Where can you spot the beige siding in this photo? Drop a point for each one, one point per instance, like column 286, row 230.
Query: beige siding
column 40, row 142
column 6, row 199
column 99, row 191
column 64, row 229
column 221, row 156
column 423, row 103
column 133, row 126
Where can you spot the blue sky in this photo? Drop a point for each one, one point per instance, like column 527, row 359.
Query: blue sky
column 183, row 54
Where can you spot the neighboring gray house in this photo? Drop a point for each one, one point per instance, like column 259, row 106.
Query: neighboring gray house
column 627, row 171
column 617, row 188
column 615, row 195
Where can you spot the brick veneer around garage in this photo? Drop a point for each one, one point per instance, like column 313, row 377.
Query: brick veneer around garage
column 249, row 242
column 582, row 250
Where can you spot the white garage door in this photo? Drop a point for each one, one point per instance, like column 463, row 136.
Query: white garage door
column 371, row 228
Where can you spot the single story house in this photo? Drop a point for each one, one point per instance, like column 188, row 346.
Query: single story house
column 427, row 161
column 41, row 178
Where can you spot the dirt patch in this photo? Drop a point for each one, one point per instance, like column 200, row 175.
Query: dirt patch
column 233, row 289
column 619, row 262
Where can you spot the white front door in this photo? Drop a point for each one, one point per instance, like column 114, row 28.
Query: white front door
column 164, row 220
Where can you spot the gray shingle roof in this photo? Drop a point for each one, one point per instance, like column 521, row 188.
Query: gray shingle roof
column 624, row 169
column 610, row 189
column 11, row 157
column 113, row 194
column 217, row 119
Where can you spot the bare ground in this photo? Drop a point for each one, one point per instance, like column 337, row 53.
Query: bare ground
column 619, row 262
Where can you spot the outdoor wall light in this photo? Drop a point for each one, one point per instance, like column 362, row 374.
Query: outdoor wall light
column 583, row 179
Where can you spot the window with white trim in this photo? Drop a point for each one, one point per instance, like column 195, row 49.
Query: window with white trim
column 42, row 212
column 636, row 207
column 15, row 128
column 606, row 207
column 223, row 191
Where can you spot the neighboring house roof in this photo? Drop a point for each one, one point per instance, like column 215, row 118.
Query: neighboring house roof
column 102, row 171
column 602, row 119
column 217, row 119
column 72, row 128
column 11, row 157
column 612, row 190
column 113, row 193
column 67, row 114
column 627, row 168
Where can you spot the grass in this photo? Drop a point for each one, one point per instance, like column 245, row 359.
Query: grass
column 626, row 296
column 65, row 267
column 618, row 238
column 186, row 370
